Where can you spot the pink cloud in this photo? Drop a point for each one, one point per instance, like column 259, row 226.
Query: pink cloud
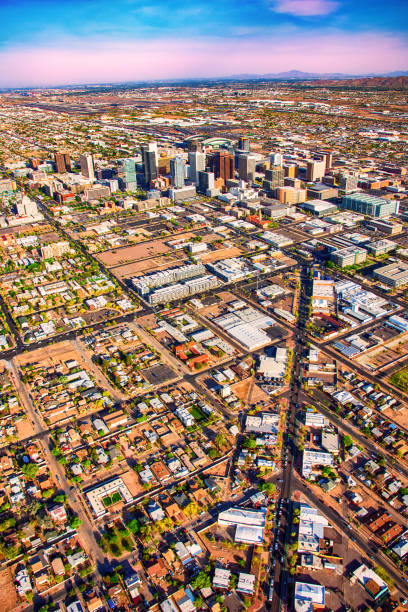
column 113, row 61
column 305, row 8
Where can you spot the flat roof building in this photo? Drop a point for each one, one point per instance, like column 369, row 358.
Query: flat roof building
column 348, row 256
column 309, row 597
column 394, row 275
column 370, row 205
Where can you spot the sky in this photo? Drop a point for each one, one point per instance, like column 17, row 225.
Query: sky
column 63, row 42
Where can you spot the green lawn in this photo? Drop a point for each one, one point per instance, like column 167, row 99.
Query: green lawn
column 400, row 379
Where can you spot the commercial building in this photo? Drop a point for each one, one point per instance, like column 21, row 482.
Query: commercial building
column 196, row 161
column 206, row 181
column 381, row 247
column 183, row 193
column 348, row 256
column 246, row 327
column 244, row 143
column 321, row 192
column 177, row 169
column 315, row 170
column 309, row 597
column 222, row 164
column 149, row 158
column 319, row 208
column 62, row 162
column 55, row 249
column 290, row 195
column 246, row 167
column 26, row 207
column 87, row 166
column 276, row 159
column 97, row 191
column 250, row 524
column 276, row 240
column 290, row 170
column 369, row 205
column 312, row 458
column 394, row 275
column 386, row 227
column 105, row 490
column 323, row 298
column 129, row 174
column 348, row 183
column 274, row 178
column 398, row 323
column 371, row 581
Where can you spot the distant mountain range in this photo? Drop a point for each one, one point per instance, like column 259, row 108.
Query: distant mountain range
column 299, row 75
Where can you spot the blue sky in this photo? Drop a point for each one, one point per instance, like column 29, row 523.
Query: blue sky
column 61, row 41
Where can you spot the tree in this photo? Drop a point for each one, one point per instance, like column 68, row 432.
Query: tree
column 133, row 526
column 347, row 441
column 220, row 441
column 267, row 487
column 30, row 470
column 201, row 581
column 249, row 443
column 192, row 509
column 75, row 522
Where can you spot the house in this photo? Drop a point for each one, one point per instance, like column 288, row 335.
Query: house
column 155, row 511
column 75, row 606
column 371, row 581
column 183, row 601
column 221, row 579
column 58, row 566
column 95, row 604
column 246, row 583
column 160, row 471
column 58, row 513
column 157, row 570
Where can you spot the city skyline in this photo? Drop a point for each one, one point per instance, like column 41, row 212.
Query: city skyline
column 91, row 42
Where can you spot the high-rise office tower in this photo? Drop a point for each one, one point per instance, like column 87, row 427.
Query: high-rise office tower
column 244, row 144
column 223, row 165
column 315, row 169
column 149, row 157
column 274, row 178
column 129, row 174
column 348, row 182
column 87, row 167
column 246, row 167
column 194, row 146
column 197, row 164
column 26, row 207
column 290, row 170
column 327, row 156
column 177, row 171
column 205, row 181
column 276, row 159
column 62, row 162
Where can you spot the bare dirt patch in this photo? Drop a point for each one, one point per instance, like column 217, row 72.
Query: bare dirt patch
column 117, row 257
column 8, row 595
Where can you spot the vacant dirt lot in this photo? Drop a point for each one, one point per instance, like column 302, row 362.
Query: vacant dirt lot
column 117, row 257
column 8, row 595
column 151, row 264
column 221, row 254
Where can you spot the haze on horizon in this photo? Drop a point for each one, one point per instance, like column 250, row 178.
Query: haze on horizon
column 47, row 43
